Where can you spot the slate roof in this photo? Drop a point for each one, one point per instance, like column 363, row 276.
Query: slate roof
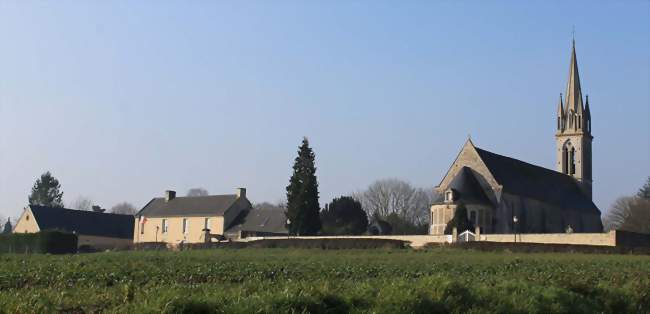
column 213, row 205
column 260, row 220
column 468, row 189
column 521, row 178
column 84, row 222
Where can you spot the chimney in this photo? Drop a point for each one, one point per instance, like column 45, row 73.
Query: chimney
column 241, row 192
column 169, row 195
column 98, row 209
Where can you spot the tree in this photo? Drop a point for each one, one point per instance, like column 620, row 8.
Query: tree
column 82, row 203
column 460, row 221
column 394, row 196
column 302, row 194
column 46, row 192
column 644, row 192
column 344, row 216
column 7, row 229
column 197, row 192
column 124, row 208
column 269, row 206
column 629, row 214
column 399, row 225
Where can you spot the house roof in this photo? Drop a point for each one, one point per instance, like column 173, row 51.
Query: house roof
column 213, row 205
column 468, row 189
column 84, row 222
column 521, row 178
column 260, row 220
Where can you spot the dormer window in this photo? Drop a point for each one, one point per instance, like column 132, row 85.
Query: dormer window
column 449, row 196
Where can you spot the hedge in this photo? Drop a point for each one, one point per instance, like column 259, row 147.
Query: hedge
column 52, row 242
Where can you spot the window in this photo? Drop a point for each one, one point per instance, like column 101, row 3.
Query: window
column 186, row 226
column 572, row 161
column 472, row 217
column 27, row 217
column 207, row 224
column 165, row 226
column 449, row 196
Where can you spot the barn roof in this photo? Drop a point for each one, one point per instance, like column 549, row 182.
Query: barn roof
column 83, row 222
column 260, row 220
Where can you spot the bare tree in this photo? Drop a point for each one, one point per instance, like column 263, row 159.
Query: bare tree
column 124, row 208
column 267, row 205
column 197, row 192
column 629, row 214
column 393, row 196
column 82, row 203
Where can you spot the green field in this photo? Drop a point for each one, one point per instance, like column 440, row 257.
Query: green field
column 317, row 281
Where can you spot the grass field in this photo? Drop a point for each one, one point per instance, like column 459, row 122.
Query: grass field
column 325, row 281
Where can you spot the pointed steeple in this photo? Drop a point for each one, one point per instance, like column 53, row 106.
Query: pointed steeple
column 573, row 101
column 587, row 116
column 560, row 115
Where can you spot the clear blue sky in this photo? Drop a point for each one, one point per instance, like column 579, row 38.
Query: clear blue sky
column 123, row 99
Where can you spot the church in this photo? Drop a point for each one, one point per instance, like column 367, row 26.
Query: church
column 506, row 195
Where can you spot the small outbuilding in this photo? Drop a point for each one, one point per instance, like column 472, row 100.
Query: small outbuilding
column 95, row 230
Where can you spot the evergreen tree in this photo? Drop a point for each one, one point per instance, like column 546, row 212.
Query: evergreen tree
column 460, row 221
column 46, row 192
column 302, row 194
column 644, row 192
column 344, row 216
column 8, row 227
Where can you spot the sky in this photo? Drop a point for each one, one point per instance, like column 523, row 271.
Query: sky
column 122, row 100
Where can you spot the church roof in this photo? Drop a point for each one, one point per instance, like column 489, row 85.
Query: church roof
column 468, row 189
column 521, row 178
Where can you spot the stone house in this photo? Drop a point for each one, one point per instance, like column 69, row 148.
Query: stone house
column 176, row 220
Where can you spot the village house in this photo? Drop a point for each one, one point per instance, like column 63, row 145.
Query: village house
column 94, row 229
column 506, row 195
column 176, row 220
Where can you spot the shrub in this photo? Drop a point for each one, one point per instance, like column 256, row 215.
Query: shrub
column 53, row 242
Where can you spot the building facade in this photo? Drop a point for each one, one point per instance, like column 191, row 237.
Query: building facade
column 177, row 220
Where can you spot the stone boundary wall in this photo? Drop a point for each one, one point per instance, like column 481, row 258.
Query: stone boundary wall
column 416, row 241
column 612, row 238
column 601, row 239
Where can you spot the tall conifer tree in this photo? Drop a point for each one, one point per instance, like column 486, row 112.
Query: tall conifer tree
column 302, row 194
column 46, row 192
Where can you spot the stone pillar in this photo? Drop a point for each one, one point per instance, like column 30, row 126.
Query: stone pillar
column 454, row 235
column 477, row 234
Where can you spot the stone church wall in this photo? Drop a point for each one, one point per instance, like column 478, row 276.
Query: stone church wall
column 539, row 217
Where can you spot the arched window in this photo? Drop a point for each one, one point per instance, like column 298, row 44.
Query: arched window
column 572, row 161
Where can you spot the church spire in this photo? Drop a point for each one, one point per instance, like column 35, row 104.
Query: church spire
column 560, row 115
column 573, row 100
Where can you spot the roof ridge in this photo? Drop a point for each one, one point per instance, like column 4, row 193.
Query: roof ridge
column 524, row 162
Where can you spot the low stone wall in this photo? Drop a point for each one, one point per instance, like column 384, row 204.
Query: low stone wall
column 416, row 241
column 601, row 239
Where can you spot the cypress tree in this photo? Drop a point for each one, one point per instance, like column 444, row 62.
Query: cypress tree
column 302, row 194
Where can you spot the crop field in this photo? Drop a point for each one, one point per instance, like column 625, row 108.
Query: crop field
column 325, row 281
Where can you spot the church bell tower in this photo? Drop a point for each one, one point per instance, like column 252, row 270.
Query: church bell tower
column 573, row 137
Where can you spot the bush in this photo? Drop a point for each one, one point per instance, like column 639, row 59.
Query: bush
column 53, row 242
